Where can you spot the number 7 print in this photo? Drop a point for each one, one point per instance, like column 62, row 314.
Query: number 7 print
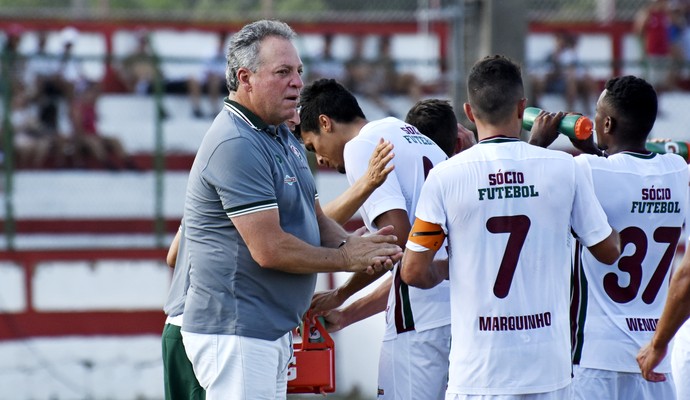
column 517, row 226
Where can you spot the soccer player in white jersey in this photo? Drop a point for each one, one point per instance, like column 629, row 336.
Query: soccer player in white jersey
column 615, row 309
column 414, row 355
column 507, row 209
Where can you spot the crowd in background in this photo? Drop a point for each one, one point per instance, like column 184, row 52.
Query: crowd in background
column 662, row 29
column 53, row 106
column 54, row 102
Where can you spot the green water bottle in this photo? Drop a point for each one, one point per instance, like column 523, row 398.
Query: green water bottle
column 680, row 148
column 573, row 126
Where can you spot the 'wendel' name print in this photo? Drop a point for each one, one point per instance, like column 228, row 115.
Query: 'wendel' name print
column 655, row 201
column 507, row 185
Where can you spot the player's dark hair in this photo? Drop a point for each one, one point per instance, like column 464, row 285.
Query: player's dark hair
column 327, row 97
column 494, row 86
column 634, row 103
column 435, row 119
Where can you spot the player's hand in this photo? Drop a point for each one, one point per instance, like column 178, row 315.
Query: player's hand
column 466, row 139
column 545, row 128
column 325, row 301
column 334, row 320
column 649, row 358
column 378, row 168
column 372, row 252
column 587, row 146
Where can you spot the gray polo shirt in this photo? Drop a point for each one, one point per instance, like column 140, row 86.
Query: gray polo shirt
column 245, row 166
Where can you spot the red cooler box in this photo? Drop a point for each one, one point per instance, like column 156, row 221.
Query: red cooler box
column 312, row 368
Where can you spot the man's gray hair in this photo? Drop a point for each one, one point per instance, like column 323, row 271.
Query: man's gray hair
column 244, row 47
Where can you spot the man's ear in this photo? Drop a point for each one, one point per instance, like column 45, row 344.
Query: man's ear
column 243, row 78
column 468, row 111
column 522, row 104
column 325, row 123
column 609, row 124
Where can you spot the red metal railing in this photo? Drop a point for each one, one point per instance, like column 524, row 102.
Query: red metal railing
column 30, row 322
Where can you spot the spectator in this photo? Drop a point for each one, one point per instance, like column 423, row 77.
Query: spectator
column 140, row 69
column 678, row 26
column 386, row 70
column 107, row 151
column 652, row 24
column 211, row 80
column 33, row 143
column 12, row 60
column 363, row 79
column 325, row 65
column 70, row 69
column 70, row 76
column 44, row 84
column 565, row 75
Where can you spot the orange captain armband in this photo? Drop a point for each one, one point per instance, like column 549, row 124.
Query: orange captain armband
column 427, row 235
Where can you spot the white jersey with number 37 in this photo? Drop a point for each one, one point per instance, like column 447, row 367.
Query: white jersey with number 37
column 645, row 198
column 508, row 208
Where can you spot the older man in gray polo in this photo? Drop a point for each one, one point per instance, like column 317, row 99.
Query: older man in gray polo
column 255, row 231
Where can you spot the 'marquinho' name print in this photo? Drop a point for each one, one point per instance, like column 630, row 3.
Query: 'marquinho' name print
column 506, row 185
column 515, row 322
column 655, row 201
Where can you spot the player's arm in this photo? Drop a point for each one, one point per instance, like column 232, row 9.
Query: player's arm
column 589, row 218
column 608, row 250
column 363, row 308
column 273, row 248
column 171, row 257
column 418, row 268
column 329, row 300
column 676, row 312
column 342, row 208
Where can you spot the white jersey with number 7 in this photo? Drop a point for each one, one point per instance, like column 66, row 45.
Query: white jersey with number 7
column 508, row 209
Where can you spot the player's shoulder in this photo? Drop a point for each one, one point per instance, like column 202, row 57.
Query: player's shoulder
column 387, row 122
column 675, row 160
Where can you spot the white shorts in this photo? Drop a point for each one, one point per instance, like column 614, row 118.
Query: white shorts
column 590, row 383
column 560, row 394
column 239, row 367
column 680, row 367
column 414, row 365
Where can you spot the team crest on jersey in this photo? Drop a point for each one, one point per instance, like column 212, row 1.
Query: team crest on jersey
column 296, row 151
column 290, row 179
